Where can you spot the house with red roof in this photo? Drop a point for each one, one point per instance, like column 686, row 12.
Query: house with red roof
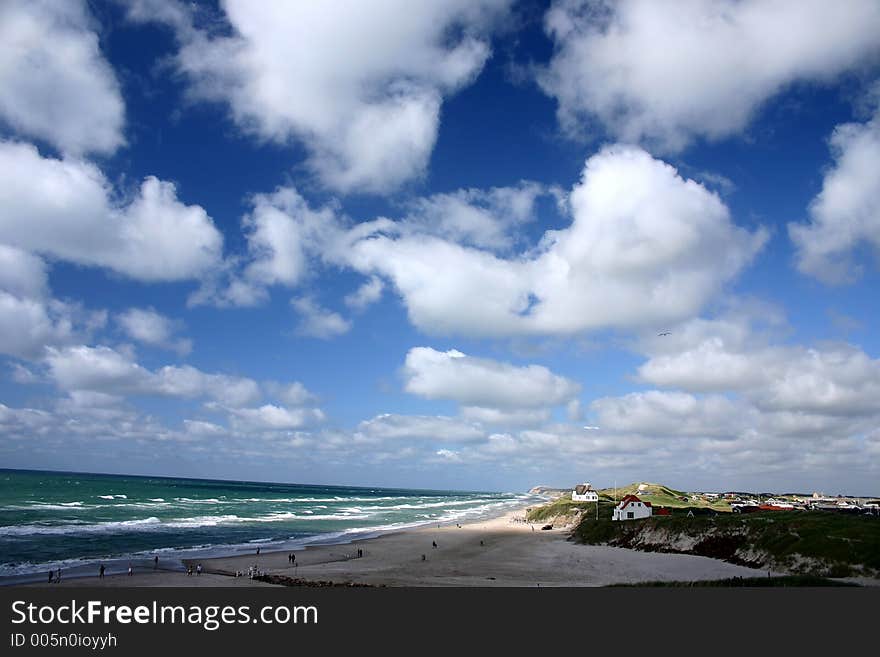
column 631, row 508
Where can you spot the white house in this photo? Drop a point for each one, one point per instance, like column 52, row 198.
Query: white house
column 631, row 508
column 584, row 493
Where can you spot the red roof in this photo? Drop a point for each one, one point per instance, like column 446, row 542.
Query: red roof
column 629, row 499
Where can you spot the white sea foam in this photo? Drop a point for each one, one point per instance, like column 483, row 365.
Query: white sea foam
column 44, row 506
column 77, row 528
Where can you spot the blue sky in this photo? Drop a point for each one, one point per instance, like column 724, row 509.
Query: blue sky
column 435, row 246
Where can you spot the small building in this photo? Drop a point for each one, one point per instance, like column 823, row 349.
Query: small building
column 584, row 493
column 631, row 508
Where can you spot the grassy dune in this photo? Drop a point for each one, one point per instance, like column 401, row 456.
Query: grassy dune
column 816, row 543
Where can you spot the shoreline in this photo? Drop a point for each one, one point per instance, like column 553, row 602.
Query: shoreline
column 504, row 550
column 144, row 570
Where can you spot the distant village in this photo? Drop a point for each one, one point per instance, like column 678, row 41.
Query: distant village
column 641, row 503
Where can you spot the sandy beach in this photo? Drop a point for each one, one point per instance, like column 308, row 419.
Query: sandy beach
column 504, row 551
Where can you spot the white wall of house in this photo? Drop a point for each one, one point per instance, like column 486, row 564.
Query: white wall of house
column 588, row 496
column 631, row 511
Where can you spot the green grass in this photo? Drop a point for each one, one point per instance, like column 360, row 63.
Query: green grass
column 840, row 544
column 561, row 506
column 660, row 495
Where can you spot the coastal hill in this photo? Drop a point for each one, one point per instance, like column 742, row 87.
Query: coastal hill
column 661, row 495
column 550, row 491
column 818, row 543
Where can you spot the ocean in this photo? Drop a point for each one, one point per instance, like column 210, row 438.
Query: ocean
column 75, row 521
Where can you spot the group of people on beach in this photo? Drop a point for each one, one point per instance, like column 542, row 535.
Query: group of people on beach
column 54, row 576
column 102, row 569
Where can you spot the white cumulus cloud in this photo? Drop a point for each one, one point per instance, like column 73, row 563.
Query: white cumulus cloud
column 151, row 327
column 316, row 321
column 360, row 84
column 65, row 209
column 483, row 382
column 846, row 213
column 645, row 247
column 56, row 84
column 669, row 72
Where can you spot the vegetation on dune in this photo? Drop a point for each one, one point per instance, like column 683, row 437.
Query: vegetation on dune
column 816, row 543
column 663, row 496
column 805, row 543
column 564, row 507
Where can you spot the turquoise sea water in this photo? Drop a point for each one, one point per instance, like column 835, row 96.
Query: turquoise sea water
column 74, row 521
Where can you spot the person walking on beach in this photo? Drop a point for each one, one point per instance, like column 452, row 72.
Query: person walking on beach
column 156, row 562
column 434, row 543
column 51, row 575
column 199, row 569
column 58, row 577
column 101, row 572
column 258, row 551
column 130, row 570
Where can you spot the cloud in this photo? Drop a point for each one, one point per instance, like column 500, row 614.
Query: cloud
column 204, row 429
column 29, row 318
column 366, row 295
column 728, row 355
column 56, row 84
column 655, row 413
column 285, row 237
column 475, row 217
column 846, row 213
column 66, row 209
column 439, row 428
column 150, row 327
column 27, row 325
column 318, row 322
column 645, row 247
column 270, row 417
column 483, row 382
column 22, row 273
column 505, row 417
column 361, row 86
column 294, row 394
column 102, row 369
column 648, row 71
column 282, row 231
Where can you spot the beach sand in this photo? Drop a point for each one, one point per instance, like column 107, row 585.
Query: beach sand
column 512, row 553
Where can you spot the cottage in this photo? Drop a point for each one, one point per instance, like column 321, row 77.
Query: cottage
column 631, row 508
column 584, row 493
